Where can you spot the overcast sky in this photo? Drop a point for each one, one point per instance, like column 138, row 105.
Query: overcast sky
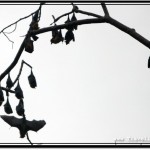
column 95, row 89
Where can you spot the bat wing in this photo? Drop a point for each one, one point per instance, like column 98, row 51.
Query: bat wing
column 35, row 125
column 12, row 121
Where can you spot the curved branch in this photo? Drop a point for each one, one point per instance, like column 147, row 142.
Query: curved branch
column 130, row 31
column 12, row 65
column 11, row 31
column 117, row 24
column 22, row 63
column 109, row 20
column 63, row 26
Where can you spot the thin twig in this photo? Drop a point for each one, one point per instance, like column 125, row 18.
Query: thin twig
column 8, row 90
column 9, row 39
column 29, row 138
column 105, row 9
column 42, row 3
column 11, row 31
column 77, row 11
column 55, row 20
column 88, row 13
column 17, row 21
column 21, row 67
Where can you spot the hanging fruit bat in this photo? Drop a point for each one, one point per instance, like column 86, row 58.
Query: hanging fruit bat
column 149, row 62
column 23, row 125
column 7, row 107
column 32, row 80
column 68, row 21
column 18, row 91
column 74, row 19
column 20, row 108
column 9, row 82
column 54, row 32
column 69, row 36
column 29, row 47
column 57, row 37
column 34, row 25
column 1, row 96
column 36, row 16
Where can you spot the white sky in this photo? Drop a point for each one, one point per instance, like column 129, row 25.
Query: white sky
column 95, row 89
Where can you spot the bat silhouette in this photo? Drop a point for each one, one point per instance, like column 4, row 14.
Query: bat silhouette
column 18, row 91
column 23, row 125
column 69, row 36
column 1, row 96
column 32, row 80
column 9, row 82
column 74, row 19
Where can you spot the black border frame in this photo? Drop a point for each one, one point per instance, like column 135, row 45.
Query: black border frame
column 76, row 145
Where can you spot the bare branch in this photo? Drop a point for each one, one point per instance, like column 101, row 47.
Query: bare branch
column 105, row 9
column 55, row 20
column 63, row 26
column 29, row 138
column 17, row 22
column 12, row 65
column 22, row 63
column 7, row 90
column 11, row 31
column 77, row 11
column 109, row 20
column 9, row 39
column 88, row 13
column 42, row 3
column 18, row 55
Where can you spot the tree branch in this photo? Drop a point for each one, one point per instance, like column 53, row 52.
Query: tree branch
column 21, row 67
column 55, row 20
column 18, row 55
column 88, row 13
column 105, row 9
column 9, row 39
column 42, row 3
column 12, row 65
column 129, row 31
column 7, row 90
column 77, row 11
column 105, row 19
column 29, row 138
column 117, row 24
column 11, row 31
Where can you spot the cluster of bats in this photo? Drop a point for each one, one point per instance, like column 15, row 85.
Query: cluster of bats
column 23, row 124
column 69, row 36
